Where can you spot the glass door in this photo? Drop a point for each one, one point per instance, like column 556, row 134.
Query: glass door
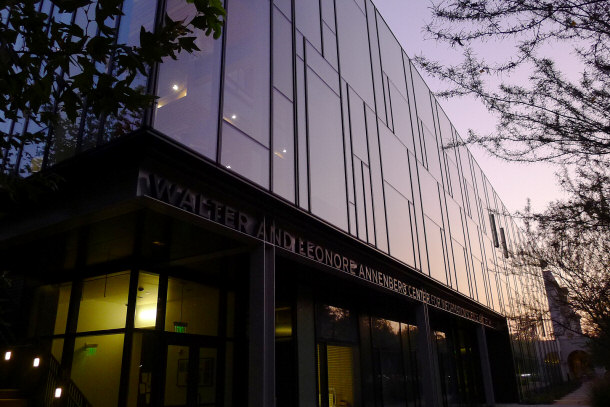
column 190, row 376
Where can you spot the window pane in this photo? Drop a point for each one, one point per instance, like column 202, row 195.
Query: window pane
column 96, row 368
column 436, row 254
column 146, row 301
column 334, row 323
column 461, row 268
column 245, row 156
column 395, row 162
column 328, row 193
column 399, row 226
column 282, row 54
column 358, row 126
column 188, row 90
column 191, row 308
column 388, row 361
column 308, row 21
column 391, row 56
column 283, row 147
column 353, row 49
column 247, row 60
column 104, row 302
column 50, row 311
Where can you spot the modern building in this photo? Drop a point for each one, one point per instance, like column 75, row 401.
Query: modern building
column 574, row 351
column 291, row 226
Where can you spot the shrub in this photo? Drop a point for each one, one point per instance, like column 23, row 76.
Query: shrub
column 600, row 393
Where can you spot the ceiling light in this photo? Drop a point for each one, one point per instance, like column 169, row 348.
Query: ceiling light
column 233, row 116
column 175, row 87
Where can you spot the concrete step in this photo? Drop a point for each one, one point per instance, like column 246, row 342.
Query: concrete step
column 13, row 398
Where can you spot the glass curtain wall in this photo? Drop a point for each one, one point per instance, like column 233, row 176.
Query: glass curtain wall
column 318, row 103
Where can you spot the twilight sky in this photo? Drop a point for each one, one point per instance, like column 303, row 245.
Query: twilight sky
column 514, row 182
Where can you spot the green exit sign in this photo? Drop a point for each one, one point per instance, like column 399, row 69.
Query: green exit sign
column 180, row 327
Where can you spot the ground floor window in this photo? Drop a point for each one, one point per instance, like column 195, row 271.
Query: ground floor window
column 143, row 339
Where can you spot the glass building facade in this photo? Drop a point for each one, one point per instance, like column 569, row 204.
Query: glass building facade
column 316, row 106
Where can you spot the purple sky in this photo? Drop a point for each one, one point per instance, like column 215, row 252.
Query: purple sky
column 514, row 182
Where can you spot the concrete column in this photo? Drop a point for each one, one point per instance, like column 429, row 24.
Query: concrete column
column 427, row 359
column 261, row 368
column 488, row 387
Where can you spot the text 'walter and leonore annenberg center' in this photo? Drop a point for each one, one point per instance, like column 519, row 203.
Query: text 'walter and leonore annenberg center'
column 287, row 228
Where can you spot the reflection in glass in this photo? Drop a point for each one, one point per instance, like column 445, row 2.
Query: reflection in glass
column 334, row 323
column 399, row 226
column 103, row 302
column 307, row 15
column 136, row 14
column 327, row 171
column 436, row 254
column 353, row 50
column 247, row 68
column 391, row 56
column 283, row 147
column 245, row 156
column 395, row 162
column 282, row 54
column 388, row 363
column 187, row 108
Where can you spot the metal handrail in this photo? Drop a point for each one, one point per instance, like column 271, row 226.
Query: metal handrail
column 41, row 382
column 71, row 395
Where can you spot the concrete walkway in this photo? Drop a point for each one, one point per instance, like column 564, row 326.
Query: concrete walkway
column 578, row 398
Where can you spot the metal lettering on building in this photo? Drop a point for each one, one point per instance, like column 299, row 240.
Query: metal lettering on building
column 197, row 203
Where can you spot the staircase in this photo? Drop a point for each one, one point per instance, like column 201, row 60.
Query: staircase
column 30, row 378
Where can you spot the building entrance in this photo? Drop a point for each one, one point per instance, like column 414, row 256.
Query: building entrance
column 190, row 375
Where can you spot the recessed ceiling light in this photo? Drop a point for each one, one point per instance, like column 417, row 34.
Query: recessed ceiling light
column 233, row 116
column 175, row 87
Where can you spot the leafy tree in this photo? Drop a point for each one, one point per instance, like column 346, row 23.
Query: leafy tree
column 546, row 117
column 53, row 71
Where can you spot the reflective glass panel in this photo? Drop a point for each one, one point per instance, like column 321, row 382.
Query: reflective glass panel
column 391, row 56
column 282, row 53
column 245, row 156
column 283, row 147
column 327, row 172
column 188, row 90
column 436, row 254
column 395, row 162
column 399, row 226
column 307, row 15
column 353, row 49
column 247, row 68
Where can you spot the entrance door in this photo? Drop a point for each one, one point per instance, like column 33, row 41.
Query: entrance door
column 191, row 375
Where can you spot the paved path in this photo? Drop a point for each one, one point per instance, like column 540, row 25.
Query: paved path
column 578, row 398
